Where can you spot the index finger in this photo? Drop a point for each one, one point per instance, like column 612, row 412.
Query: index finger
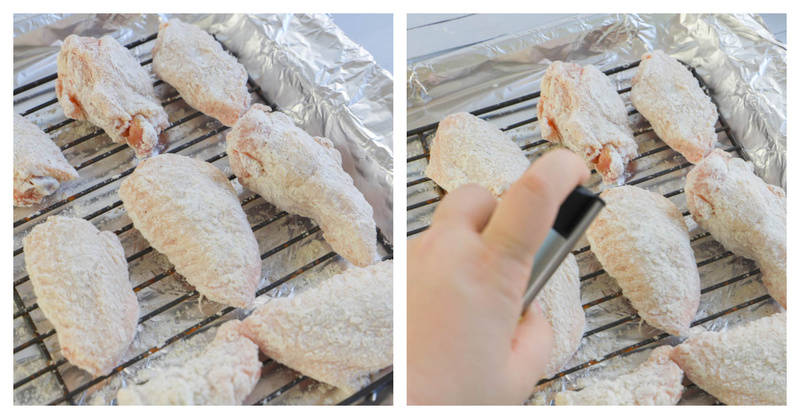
column 529, row 207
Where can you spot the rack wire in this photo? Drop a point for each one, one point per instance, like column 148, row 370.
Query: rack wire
column 657, row 168
column 282, row 237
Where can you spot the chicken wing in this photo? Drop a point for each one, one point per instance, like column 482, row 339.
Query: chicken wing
column 667, row 94
column 100, row 81
column 80, row 277
column 744, row 365
column 303, row 175
column 746, row 215
column 656, row 381
column 337, row 332
column 560, row 300
column 467, row 149
column 642, row 241
column 580, row 108
column 188, row 210
column 39, row 165
column 224, row 374
column 208, row 78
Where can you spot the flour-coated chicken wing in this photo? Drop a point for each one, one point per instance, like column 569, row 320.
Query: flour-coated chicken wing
column 80, row 277
column 560, row 300
column 223, row 374
column 657, row 381
column 188, row 210
column 100, row 81
column 744, row 365
column 642, row 241
column 665, row 92
column 208, row 78
column 337, row 332
column 746, row 214
column 39, row 165
column 580, row 108
column 303, row 175
column 467, row 149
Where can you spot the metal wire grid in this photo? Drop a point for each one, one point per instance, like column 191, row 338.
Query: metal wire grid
column 657, row 168
column 200, row 137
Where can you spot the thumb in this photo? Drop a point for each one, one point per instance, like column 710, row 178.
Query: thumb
column 530, row 350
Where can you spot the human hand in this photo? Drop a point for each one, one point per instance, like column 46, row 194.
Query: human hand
column 466, row 278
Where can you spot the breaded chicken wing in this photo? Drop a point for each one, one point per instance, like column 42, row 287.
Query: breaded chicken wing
column 560, row 300
column 100, row 81
column 224, row 374
column 642, row 241
column 337, row 332
column 746, row 215
column 188, row 210
column 208, row 78
column 580, row 108
column 39, row 165
column 467, row 149
column 80, row 277
column 657, row 381
column 744, row 365
column 666, row 93
column 303, row 175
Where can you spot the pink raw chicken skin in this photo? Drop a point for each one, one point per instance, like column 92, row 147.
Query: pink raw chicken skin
column 303, row 175
column 467, row 149
column 682, row 115
column 744, row 365
column 224, row 374
column 337, row 332
column 80, row 277
column 746, row 214
column 657, row 381
column 642, row 241
column 100, row 81
column 560, row 300
column 188, row 210
column 208, row 78
column 580, row 108
column 39, row 165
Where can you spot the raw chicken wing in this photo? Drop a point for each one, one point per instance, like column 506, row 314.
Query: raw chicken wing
column 208, row 78
column 80, row 277
column 39, row 165
column 467, row 149
column 337, row 332
column 746, row 215
column 188, row 210
column 666, row 93
column 580, row 108
column 657, row 381
column 303, row 175
column 642, row 241
column 224, row 374
column 744, row 365
column 100, row 81
column 560, row 300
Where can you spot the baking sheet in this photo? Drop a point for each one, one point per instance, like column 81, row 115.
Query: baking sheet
column 744, row 69
column 301, row 63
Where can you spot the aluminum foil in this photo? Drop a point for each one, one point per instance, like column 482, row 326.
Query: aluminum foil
column 742, row 63
column 305, row 66
column 744, row 70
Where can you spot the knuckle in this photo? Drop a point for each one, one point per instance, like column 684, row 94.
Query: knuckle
column 537, row 184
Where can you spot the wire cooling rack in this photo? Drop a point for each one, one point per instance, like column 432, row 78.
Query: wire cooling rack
column 613, row 330
column 293, row 254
